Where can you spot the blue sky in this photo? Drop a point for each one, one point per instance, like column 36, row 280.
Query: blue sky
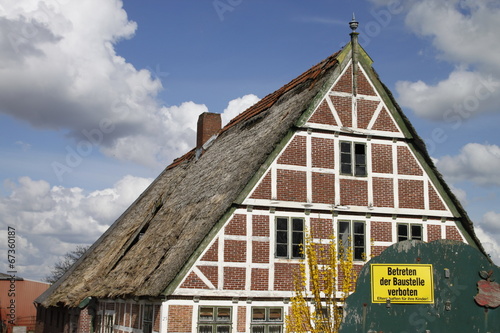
column 97, row 97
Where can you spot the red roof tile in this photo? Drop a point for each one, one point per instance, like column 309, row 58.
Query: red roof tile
column 268, row 101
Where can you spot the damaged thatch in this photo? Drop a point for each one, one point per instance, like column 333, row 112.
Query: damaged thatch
column 142, row 252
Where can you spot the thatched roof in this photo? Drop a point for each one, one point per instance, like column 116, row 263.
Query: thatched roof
column 177, row 211
column 180, row 208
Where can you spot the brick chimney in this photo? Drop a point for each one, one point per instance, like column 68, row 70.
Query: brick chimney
column 208, row 125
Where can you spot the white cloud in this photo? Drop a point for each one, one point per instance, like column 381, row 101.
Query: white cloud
column 464, row 34
column 491, row 222
column 490, row 244
column 477, row 163
column 51, row 221
column 460, row 194
column 462, row 95
column 238, row 105
column 459, row 29
column 60, row 71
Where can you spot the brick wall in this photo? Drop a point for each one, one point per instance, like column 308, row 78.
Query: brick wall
column 343, row 106
column 235, row 251
column 364, row 86
column 84, row 321
column 344, row 84
column 211, row 273
column 382, row 158
column 411, row 193
column 381, row 231
column 433, row 233
column 135, row 315
column 377, row 250
column 121, row 320
column 295, row 152
column 237, row 225
column 260, row 252
column 321, row 228
column 322, row 252
column 435, row 202
column 323, row 188
column 453, row 233
column 260, row 279
column 117, row 314
column 356, row 269
column 212, row 253
column 323, row 115
column 323, row 153
column 283, row 276
column 193, row 282
column 384, row 122
column 292, row 185
column 353, row 192
column 234, row 278
column 407, row 164
column 260, row 225
column 127, row 310
column 383, row 192
column 263, row 191
column 366, row 109
column 208, row 125
column 241, row 326
column 179, row 318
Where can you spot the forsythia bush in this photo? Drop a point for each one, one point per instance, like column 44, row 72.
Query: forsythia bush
column 325, row 279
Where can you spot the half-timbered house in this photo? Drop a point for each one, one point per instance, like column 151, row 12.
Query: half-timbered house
column 211, row 245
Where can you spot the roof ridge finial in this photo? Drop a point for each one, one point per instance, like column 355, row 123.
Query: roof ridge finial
column 353, row 24
column 354, row 54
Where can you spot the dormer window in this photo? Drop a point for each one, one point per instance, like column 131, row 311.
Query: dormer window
column 353, row 159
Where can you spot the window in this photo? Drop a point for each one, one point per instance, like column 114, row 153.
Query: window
column 147, row 322
column 267, row 320
column 214, row 319
column 353, row 159
column 322, row 315
column 108, row 323
column 352, row 235
column 289, row 237
column 409, row 231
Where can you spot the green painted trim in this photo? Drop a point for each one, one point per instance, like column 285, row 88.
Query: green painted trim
column 367, row 62
column 85, row 302
column 470, row 240
column 343, row 60
column 342, row 56
column 364, row 57
column 318, row 98
column 197, row 253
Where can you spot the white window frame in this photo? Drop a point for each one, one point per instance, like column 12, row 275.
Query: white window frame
column 266, row 324
column 215, row 322
column 291, row 245
column 351, row 239
column 353, row 163
column 409, row 231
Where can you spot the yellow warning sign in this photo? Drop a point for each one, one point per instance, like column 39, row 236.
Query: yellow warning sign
column 402, row 283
